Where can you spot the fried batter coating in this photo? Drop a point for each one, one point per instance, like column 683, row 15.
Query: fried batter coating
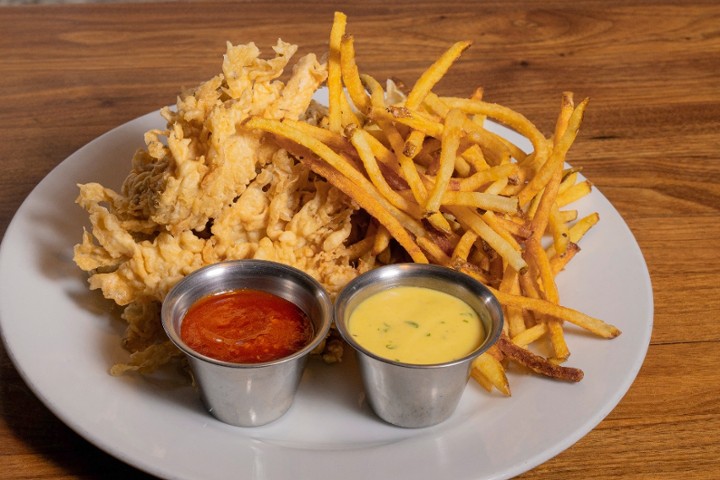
column 205, row 190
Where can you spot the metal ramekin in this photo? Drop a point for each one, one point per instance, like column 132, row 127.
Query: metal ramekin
column 245, row 394
column 411, row 395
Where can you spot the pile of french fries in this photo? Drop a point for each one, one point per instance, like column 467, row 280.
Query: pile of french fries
column 451, row 192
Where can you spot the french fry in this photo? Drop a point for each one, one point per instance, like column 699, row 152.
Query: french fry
column 433, row 74
column 475, row 157
column 351, row 76
column 567, row 216
column 591, row 324
column 530, row 335
column 484, row 177
column 492, row 371
column 377, row 93
column 485, row 201
column 334, row 81
column 559, row 230
column 574, row 193
column 582, row 226
column 513, row 315
column 407, row 166
column 558, row 262
column 361, row 247
column 575, row 234
column 537, row 363
column 464, row 245
column 381, row 240
column 413, row 119
column 549, row 288
column 520, row 230
column 334, row 140
column 451, row 136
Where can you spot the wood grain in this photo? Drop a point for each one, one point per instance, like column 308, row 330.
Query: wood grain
column 650, row 143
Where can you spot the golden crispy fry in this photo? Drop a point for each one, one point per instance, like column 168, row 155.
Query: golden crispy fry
column 411, row 118
column 498, row 186
column 575, row 234
column 334, row 140
column 567, row 182
column 381, row 240
column 377, row 93
column 485, row 201
column 594, row 325
column 574, row 193
column 462, row 167
column 361, row 247
column 437, row 106
column 567, row 105
column 474, row 156
column 514, row 318
column 334, row 81
column 382, row 153
column 489, row 368
column 433, row 74
column 407, row 166
column 529, row 335
column 567, row 216
column 558, row 229
column 464, row 245
column 517, row 229
column 558, row 262
column 492, row 220
column 477, row 180
column 351, row 75
column 582, row 226
column 451, row 136
column 348, row 116
column 537, row 256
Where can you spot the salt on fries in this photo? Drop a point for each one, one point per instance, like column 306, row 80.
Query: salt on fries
column 451, row 192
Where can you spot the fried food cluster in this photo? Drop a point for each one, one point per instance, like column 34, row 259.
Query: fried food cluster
column 204, row 190
column 250, row 167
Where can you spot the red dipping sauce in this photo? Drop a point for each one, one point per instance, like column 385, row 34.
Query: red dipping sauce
column 246, row 326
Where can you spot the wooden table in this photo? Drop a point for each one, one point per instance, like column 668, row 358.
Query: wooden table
column 650, row 143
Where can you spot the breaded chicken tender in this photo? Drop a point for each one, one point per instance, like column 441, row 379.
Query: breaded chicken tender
column 205, row 190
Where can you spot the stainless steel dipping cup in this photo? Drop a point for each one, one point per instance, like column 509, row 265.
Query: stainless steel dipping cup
column 411, row 395
column 248, row 394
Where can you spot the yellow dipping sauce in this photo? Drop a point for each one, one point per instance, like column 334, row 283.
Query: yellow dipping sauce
column 416, row 325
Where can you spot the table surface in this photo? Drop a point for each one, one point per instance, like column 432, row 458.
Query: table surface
column 650, row 143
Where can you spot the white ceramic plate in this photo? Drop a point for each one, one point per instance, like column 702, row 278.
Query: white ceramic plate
column 63, row 338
